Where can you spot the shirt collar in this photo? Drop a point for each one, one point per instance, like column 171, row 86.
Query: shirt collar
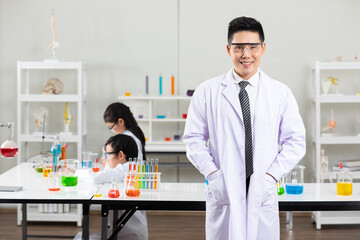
column 253, row 81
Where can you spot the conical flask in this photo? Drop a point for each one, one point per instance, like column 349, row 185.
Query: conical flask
column 9, row 148
column 114, row 190
column 132, row 186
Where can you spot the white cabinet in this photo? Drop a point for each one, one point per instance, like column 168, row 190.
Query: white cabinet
column 31, row 79
column 161, row 118
column 344, row 142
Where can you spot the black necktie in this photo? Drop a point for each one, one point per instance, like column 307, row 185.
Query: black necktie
column 245, row 108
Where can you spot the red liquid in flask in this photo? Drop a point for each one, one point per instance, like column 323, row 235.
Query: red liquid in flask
column 114, row 194
column 9, row 152
column 96, row 169
column 55, row 189
column 133, row 192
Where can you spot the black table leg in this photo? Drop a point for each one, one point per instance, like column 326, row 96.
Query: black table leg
column 24, row 221
column 86, row 211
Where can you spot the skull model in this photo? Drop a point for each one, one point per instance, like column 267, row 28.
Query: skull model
column 54, row 86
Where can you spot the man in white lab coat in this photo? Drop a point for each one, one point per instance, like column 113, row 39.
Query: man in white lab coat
column 241, row 152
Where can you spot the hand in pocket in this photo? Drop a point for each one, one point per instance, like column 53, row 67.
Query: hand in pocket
column 217, row 187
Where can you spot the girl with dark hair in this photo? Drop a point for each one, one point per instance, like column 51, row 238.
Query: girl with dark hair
column 120, row 120
column 119, row 149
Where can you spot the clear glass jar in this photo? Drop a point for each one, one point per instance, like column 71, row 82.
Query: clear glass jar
column 294, row 181
column 344, row 183
column 69, row 169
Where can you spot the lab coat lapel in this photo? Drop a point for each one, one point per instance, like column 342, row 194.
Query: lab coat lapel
column 230, row 93
column 263, row 109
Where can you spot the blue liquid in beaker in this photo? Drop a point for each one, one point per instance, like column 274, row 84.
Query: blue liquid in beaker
column 294, row 189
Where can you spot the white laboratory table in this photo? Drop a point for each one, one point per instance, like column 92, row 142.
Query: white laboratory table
column 35, row 191
column 170, row 197
column 191, row 197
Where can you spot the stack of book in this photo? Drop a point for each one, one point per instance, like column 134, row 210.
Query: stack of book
column 348, row 165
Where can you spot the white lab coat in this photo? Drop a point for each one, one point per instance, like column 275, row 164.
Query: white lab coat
column 215, row 140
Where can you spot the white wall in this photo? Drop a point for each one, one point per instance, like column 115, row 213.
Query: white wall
column 122, row 40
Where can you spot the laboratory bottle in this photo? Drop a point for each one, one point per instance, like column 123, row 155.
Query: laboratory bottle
column 69, row 171
column 344, row 182
column 280, row 186
column 9, row 148
column 114, row 190
column 294, row 181
column 131, row 185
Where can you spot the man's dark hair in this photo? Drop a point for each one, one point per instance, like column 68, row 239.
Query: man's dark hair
column 245, row 24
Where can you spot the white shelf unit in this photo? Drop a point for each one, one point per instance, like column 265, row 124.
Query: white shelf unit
column 320, row 102
column 26, row 96
column 153, row 127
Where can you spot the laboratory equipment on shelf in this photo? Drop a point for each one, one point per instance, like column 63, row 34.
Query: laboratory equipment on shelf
column 294, row 181
column 9, row 148
column 344, row 182
column 69, row 168
column 114, row 190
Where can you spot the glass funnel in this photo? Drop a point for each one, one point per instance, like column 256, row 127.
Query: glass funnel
column 9, row 148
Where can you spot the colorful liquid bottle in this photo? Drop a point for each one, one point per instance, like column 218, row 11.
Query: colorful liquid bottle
column 69, row 181
column 294, row 189
column 9, row 152
column 344, row 188
column 131, row 186
column 344, row 182
column 280, row 188
column 114, row 191
column 46, row 171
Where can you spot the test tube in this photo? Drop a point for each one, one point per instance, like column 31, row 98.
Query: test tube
column 147, row 173
column 172, row 84
column 156, row 170
column 130, row 163
column 134, row 164
column 147, row 84
column 139, row 174
column 143, row 176
column 160, row 84
column 152, row 173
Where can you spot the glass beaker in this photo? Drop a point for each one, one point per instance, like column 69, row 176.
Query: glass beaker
column 280, row 186
column 53, row 181
column 114, row 190
column 344, row 183
column 131, row 185
column 294, row 181
column 69, row 169
column 9, row 148
column 96, row 165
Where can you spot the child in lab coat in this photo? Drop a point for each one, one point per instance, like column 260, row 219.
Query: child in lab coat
column 119, row 149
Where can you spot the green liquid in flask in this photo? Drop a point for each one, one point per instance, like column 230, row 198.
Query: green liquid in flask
column 69, row 181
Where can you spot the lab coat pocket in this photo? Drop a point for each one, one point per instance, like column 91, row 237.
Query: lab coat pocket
column 217, row 187
column 269, row 186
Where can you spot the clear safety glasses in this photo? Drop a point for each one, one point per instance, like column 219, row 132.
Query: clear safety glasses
column 250, row 47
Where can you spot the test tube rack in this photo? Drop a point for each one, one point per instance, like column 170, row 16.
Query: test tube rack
column 144, row 180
